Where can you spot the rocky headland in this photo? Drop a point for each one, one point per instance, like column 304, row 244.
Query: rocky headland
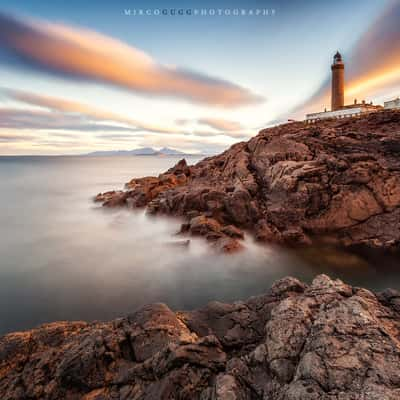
column 326, row 340
column 334, row 180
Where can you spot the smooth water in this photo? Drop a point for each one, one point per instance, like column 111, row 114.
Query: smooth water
column 62, row 257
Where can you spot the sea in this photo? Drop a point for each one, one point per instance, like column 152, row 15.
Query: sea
column 64, row 257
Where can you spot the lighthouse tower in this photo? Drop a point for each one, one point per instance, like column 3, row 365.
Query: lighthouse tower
column 337, row 101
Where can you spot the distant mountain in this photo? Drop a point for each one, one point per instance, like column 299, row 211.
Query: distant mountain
column 170, row 152
column 143, row 151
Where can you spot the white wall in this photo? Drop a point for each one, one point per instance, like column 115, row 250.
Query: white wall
column 336, row 114
column 392, row 103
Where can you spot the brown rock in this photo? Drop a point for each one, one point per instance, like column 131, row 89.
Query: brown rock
column 104, row 197
column 298, row 342
column 202, row 225
column 229, row 245
column 233, row 231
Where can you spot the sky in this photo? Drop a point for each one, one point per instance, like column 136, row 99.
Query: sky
column 76, row 78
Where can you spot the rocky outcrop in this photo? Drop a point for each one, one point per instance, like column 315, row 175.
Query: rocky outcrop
column 326, row 341
column 294, row 184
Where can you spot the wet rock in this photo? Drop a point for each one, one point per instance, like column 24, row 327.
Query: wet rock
column 112, row 199
column 229, row 245
column 233, row 231
column 265, row 232
column 286, row 286
column 323, row 341
column 202, row 225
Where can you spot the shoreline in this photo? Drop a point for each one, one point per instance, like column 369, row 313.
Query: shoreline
column 335, row 180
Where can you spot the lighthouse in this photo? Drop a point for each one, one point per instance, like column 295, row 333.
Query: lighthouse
column 338, row 109
column 337, row 100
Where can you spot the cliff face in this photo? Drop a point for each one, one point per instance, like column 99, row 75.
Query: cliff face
column 293, row 183
column 297, row 342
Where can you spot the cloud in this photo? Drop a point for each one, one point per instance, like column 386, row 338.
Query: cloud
column 55, row 144
column 68, row 106
column 117, row 136
column 63, row 135
column 71, row 115
column 44, row 120
column 59, row 124
column 84, row 54
column 221, row 124
column 9, row 138
column 223, row 127
column 232, row 135
column 371, row 68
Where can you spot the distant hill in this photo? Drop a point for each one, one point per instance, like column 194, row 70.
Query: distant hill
column 143, row 151
column 170, row 152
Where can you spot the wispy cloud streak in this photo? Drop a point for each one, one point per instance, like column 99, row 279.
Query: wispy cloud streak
column 61, row 114
column 84, row 54
column 43, row 120
column 71, row 115
column 221, row 124
column 65, row 107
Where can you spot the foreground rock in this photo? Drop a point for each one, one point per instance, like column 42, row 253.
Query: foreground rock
column 294, row 183
column 297, row 342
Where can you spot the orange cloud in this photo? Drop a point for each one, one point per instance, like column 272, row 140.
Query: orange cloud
column 77, row 116
column 67, row 106
column 221, row 124
column 82, row 53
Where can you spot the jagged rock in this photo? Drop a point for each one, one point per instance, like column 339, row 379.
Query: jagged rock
column 202, row 225
column 287, row 285
column 294, row 183
column 233, row 231
column 228, row 245
column 112, row 198
column 325, row 341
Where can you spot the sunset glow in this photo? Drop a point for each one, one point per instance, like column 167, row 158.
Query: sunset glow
column 118, row 85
